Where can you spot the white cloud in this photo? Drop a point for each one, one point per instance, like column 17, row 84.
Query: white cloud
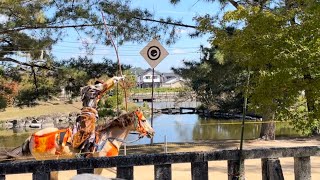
column 3, row 18
column 178, row 51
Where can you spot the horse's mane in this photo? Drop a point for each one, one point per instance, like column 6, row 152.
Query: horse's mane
column 122, row 121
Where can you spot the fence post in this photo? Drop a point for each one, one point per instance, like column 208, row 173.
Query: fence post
column 271, row 169
column 165, row 144
column 39, row 175
column 302, row 168
column 162, row 172
column 233, row 167
column 125, row 172
column 199, row 170
column 82, row 171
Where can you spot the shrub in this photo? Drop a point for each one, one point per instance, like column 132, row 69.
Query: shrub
column 3, row 103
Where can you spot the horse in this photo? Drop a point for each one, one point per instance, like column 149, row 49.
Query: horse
column 54, row 143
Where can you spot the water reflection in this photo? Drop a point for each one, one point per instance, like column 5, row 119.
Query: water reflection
column 176, row 128
column 190, row 127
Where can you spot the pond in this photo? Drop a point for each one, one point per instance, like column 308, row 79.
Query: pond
column 177, row 128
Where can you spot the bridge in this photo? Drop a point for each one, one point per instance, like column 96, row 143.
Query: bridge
column 157, row 96
column 270, row 163
column 163, row 96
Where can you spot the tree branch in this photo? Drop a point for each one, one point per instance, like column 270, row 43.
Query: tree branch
column 25, row 64
column 48, row 27
column 234, row 3
column 165, row 22
column 88, row 25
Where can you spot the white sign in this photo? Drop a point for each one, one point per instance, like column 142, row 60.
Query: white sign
column 154, row 53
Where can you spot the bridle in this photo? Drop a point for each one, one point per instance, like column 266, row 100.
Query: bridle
column 138, row 117
column 138, row 123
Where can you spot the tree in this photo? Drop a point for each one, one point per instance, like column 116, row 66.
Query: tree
column 30, row 29
column 75, row 73
column 277, row 41
column 216, row 81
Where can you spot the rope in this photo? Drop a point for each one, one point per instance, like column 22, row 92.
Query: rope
column 124, row 141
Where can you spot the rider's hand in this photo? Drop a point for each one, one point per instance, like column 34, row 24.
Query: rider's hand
column 118, row 78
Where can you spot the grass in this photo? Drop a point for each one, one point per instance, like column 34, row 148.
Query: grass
column 38, row 110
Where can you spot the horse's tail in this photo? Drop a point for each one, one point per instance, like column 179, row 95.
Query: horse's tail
column 17, row 152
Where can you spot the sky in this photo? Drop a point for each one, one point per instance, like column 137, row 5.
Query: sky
column 184, row 49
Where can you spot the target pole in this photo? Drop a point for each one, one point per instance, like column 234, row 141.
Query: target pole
column 152, row 92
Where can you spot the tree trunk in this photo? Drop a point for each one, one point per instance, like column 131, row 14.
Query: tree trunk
column 268, row 130
column 310, row 97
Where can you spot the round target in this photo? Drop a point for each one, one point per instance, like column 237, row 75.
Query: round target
column 153, row 53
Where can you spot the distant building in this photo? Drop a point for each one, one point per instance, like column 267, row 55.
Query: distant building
column 144, row 80
column 174, row 83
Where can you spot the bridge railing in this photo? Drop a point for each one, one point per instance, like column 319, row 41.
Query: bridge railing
column 271, row 168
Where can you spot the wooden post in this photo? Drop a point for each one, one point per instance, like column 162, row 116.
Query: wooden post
column 162, row 172
column 233, row 167
column 199, row 170
column 125, row 172
column 302, row 168
column 39, row 175
column 82, row 171
column 271, row 169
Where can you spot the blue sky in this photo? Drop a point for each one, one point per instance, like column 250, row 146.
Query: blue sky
column 184, row 49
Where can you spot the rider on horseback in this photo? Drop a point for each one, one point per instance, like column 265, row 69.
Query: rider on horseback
column 84, row 130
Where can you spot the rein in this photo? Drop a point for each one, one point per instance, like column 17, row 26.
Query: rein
column 124, row 141
column 136, row 126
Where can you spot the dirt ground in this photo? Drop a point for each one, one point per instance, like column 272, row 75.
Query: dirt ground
column 217, row 169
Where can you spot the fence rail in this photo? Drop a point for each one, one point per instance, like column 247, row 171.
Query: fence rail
column 162, row 163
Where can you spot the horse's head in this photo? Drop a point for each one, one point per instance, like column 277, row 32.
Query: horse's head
column 142, row 125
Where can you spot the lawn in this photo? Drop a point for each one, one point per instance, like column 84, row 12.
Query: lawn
column 44, row 108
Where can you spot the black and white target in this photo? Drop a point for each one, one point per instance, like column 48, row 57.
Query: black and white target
column 153, row 53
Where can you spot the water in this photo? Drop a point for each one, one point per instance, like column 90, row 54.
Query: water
column 190, row 128
column 176, row 128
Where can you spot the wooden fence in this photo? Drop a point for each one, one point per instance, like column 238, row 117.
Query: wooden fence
column 271, row 168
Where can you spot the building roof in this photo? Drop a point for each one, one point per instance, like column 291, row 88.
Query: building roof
column 149, row 70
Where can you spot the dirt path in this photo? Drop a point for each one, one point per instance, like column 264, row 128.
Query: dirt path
column 217, row 169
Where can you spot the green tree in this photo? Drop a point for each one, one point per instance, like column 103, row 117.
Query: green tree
column 278, row 42
column 30, row 29
column 216, row 81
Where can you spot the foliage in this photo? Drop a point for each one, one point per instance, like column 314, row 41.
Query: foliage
column 8, row 88
column 26, row 97
column 29, row 32
column 215, row 82
column 278, row 41
column 3, row 103
column 28, row 29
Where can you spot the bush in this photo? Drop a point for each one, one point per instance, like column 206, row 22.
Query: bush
column 106, row 113
column 26, row 97
column 3, row 103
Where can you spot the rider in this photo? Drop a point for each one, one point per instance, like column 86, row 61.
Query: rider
column 90, row 96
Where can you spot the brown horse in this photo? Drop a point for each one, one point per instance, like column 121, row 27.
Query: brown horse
column 49, row 143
